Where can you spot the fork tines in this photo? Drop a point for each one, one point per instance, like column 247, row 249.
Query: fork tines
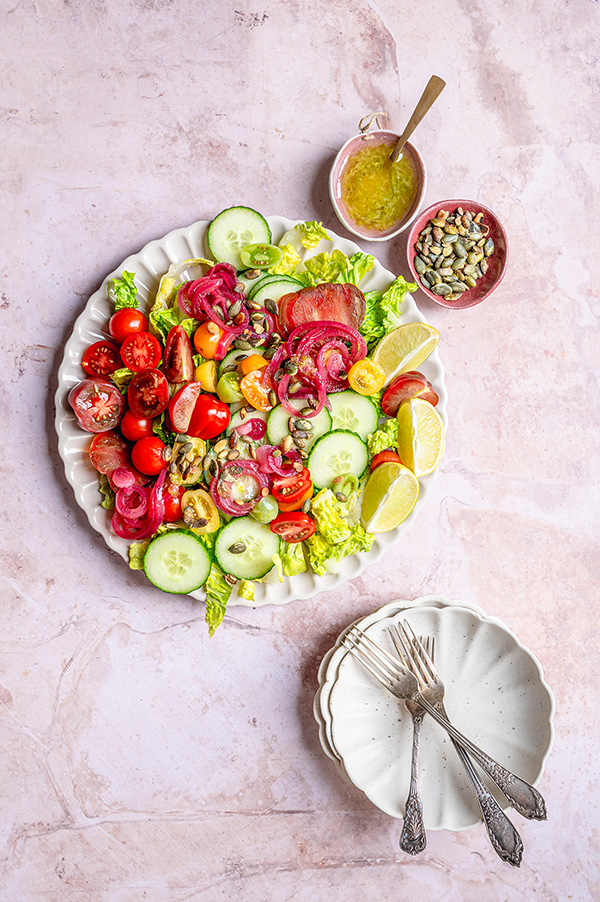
column 372, row 656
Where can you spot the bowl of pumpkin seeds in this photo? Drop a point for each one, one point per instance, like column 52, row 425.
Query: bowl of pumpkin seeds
column 457, row 253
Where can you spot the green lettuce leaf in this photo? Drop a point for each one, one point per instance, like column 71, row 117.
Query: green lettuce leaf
column 217, row 596
column 162, row 319
column 311, row 233
column 245, row 589
column 108, row 495
column 137, row 550
column 122, row 378
column 176, row 275
column 123, row 292
column 292, row 558
column 384, row 437
column 288, row 263
column 324, row 555
column 336, row 267
column 331, row 522
column 383, row 311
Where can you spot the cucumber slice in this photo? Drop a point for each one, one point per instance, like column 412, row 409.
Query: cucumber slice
column 335, row 454
column 260, row 543
column 271, row 277
column 354, row 412
column 277, row 424
column 232, row 230
column 275, row 290
column 177, row 561
column 235, row 357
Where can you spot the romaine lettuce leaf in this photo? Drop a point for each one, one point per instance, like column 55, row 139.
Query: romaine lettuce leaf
column 288, row 263
column 108, row 496
column 245, row 589
column 122, row 378
column 323, row 555
column 331, row 523
column 384, row 437
column 176, row 275
column 383, row 311
column 123, row 292
column 217, row 596
column 137, row 550
column 162, row 319
column 336, row 267
column 292, row 558
column 311, row 233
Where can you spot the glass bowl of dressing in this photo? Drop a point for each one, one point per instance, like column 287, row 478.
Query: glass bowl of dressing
column 373, row 198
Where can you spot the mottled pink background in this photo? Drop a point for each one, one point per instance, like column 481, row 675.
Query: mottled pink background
column 141, row 761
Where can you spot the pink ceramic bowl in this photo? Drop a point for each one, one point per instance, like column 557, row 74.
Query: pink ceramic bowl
column 370, row 139
column 497, row 262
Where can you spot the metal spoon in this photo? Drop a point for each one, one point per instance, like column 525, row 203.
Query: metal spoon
column 432, row 91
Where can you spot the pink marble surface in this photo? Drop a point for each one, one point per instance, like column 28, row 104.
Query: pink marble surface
column 140, row 760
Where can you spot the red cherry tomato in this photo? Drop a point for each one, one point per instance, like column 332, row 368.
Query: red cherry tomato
column 290, row 492
column 181, row 406
column 101, row 359
column 146, row 455
column 108, row 451
column 407, row 385
column 126, row 321
column 97, row 404
column 134, row 428
column 293, row 526
column 178, row 360
column 172, row 495
column 384, row 457
column 148, row 393
column 141, row 351
column 209, row 418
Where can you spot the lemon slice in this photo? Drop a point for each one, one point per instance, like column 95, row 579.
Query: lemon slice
column 420, row 436
column 405, row 349
column 389, row 497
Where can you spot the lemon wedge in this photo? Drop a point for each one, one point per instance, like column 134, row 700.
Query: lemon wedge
column 390, row 495
column 405, row 349
column 420, row 436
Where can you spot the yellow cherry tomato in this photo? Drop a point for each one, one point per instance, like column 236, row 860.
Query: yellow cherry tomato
column 366, row 377
column 206, row 339
column 253, row 362
column 206, row 375
column 202, row 508
column 256, row 389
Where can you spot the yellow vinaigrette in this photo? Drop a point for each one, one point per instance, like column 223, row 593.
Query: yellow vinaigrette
column 377, row 193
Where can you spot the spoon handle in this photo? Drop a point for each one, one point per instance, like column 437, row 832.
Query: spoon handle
column 432, row 91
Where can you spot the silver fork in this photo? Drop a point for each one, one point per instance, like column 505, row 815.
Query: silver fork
column 413, row 838
column 402, row 683
column 504, row 838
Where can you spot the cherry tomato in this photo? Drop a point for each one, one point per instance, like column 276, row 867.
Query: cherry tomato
column 171, row 496
column 209, row 418
column 181, row 406
column 134, row 428
column 101, row 359
column 148, row 393
column 260, row 256
column 97, row 404
column 141, row 351
column 206, row 374
column 366, row 377
column 293, row 526
column 108, row 452
column 385, row 457
column 405, row 386
column 253, row 362
column 291, row 492
column 256, row 389
column 146, row 455
column 178, row 361
column 206, row 341
column 126, row 321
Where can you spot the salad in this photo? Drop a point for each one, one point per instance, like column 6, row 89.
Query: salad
column 237, row 424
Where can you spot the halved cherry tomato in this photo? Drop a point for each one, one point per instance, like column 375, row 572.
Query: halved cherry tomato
column 178, row 362
column 207, row 341
column 146, row 455
column 256, row 389
column 407, row 385
column 209, row 418
column 108, row 452
column 171, row 496
column 293, row 526
column 101, row 359
column 141, row 351
column 97, row 404
column 134, row 428
column 206, row 374
column 148, row 393
column 126, row 321
column 366, row 377
column 291, row 492
column 385, row 457
column 253, row 362
column 181, row 406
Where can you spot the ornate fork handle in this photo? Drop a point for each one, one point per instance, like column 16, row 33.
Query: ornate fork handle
column 524, row 797
column 504, row 838
column 413, row 838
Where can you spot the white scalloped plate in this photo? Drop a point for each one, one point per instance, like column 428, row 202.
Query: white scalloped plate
column 149, row 265
column 495, row 693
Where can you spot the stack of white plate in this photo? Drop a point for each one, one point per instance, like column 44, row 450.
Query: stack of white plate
column 495, row 694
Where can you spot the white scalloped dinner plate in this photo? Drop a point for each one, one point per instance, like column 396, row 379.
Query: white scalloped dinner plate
column 495, row 693
column 91, row 325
